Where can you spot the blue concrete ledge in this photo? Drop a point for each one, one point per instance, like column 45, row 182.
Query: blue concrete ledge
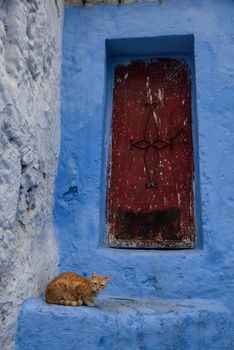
column 124, row 324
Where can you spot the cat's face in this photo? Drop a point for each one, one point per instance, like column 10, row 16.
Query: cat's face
column 98, row 283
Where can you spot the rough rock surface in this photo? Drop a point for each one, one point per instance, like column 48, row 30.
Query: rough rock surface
column 30, row 65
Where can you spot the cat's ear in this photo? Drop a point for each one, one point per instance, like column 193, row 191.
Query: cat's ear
column 107, row 278
column 94, row 274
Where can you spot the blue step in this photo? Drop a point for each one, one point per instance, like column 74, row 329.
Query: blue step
column 124, row 324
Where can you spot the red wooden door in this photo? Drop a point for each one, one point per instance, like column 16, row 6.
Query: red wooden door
column 150, row 174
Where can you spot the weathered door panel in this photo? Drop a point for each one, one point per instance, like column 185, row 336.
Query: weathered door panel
column 150, row 177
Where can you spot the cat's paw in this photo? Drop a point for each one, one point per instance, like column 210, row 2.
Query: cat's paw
column 88, row 303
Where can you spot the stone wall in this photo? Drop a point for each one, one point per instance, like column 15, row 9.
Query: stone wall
column 30, row 65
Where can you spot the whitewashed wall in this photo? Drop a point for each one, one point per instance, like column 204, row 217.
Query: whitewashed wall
column 30, row 68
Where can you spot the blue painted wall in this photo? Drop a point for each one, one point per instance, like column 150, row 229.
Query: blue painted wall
column 206, row 271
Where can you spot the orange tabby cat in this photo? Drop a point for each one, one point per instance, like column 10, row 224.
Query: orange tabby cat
column 69, row 288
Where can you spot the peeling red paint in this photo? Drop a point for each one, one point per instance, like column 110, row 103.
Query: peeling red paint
column 150, row 179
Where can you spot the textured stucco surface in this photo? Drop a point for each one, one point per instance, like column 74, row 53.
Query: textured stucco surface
column 30, row 65
column 181, row 299
column 206, row 271
column 134, row 324
column 80, row 193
